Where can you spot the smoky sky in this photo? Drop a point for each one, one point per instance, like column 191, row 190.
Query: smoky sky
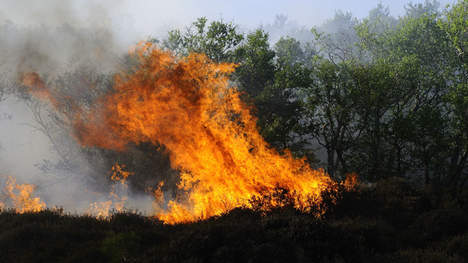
column 141, row 18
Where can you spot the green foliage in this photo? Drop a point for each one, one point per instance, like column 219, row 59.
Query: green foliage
column 456, row 27
column 272, row 85
column 279, row 106
column 429, row 7
column 409, row 98
column 386, row 107
column 256, row 66
column 327, row 112
column 217, row 40
column 290, row 51
column 337, row 38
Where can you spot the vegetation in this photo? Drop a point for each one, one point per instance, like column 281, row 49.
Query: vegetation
column 382, row 97
column 391, row 222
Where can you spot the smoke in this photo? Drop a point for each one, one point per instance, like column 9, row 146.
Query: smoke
column 50, row 37
column 70, row 44
column 73, row 46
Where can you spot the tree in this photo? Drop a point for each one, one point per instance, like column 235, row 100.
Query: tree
column 279, row 107
column 217, row 40
column 290, row 51
column 456, row 27
column 428, row 8
column 268, row 81
column 425, row 130
column 271, row 81
column 381, row 20
column 337, row 37
column 256, row 68
column 328, row 113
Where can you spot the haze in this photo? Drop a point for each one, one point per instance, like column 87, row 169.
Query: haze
column 142, row 18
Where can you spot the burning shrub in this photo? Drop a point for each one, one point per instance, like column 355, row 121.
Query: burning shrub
column 21, row 197
column 188, row 105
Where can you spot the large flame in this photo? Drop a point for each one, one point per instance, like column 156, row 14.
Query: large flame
column 188, row 105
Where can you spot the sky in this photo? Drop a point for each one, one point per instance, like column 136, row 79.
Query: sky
column 151, row 17
column 253, row 12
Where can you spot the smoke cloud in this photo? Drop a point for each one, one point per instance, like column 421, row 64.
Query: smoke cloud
column 55, row 39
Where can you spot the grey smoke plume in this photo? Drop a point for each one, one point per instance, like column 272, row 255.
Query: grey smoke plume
column 51, row 37
column 54, row 38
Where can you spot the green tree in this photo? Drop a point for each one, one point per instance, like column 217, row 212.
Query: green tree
column 256, row 68
column 456, row 27
column 337, row 38
column 328, row 113
column 272, row 79
column 217, row 40
column 416, row 10
column 279, row 107
column 425, row 130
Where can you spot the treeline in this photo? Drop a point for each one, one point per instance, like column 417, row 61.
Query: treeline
column 381, row 96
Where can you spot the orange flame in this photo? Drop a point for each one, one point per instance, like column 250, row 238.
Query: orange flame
column 38, row 88
column 188, row 105
column 100, row 209
column 116, row 200
column 351, row 181
column 21, row 197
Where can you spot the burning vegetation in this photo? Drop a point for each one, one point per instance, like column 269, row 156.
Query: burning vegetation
column 188, row 105
column 117, row 196
column 20, row 197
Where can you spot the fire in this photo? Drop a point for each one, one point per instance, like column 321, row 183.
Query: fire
column 119, row 176
column 21, row 197
column 38, row 88
column 351, row 181
column 158, row 196
column 188, row 105
column 117, row 196
column 100, row 209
